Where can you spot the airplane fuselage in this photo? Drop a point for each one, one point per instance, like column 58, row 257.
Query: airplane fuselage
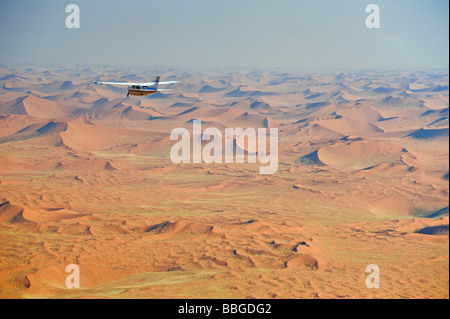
column 140, row 90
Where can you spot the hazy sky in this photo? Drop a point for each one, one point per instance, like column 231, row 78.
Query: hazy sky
column 231, row 33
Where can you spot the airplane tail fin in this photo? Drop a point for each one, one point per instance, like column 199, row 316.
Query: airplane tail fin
column 156, row 82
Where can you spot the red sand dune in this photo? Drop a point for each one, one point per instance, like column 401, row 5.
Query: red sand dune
column 86, row 179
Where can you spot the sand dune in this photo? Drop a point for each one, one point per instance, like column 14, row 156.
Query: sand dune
column 347, row 126
column 86, row 179
column 79, row 135
column 37, row 107
column 394, row 101
column 10, row 213
column 434, row 230
column 430, row 133
column 317, row 132
column 360, row 153
column 244, row 91
column 362, row 112
column 210, row 89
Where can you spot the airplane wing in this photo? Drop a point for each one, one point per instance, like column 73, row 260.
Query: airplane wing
column 168, row 82
column 140, row 84
column 116, row 83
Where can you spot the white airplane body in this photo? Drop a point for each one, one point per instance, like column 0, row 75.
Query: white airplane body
column 144, row 88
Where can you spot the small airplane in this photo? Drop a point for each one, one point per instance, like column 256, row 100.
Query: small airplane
column 141, row 88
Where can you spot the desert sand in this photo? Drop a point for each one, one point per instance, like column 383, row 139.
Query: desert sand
column 86, row 179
